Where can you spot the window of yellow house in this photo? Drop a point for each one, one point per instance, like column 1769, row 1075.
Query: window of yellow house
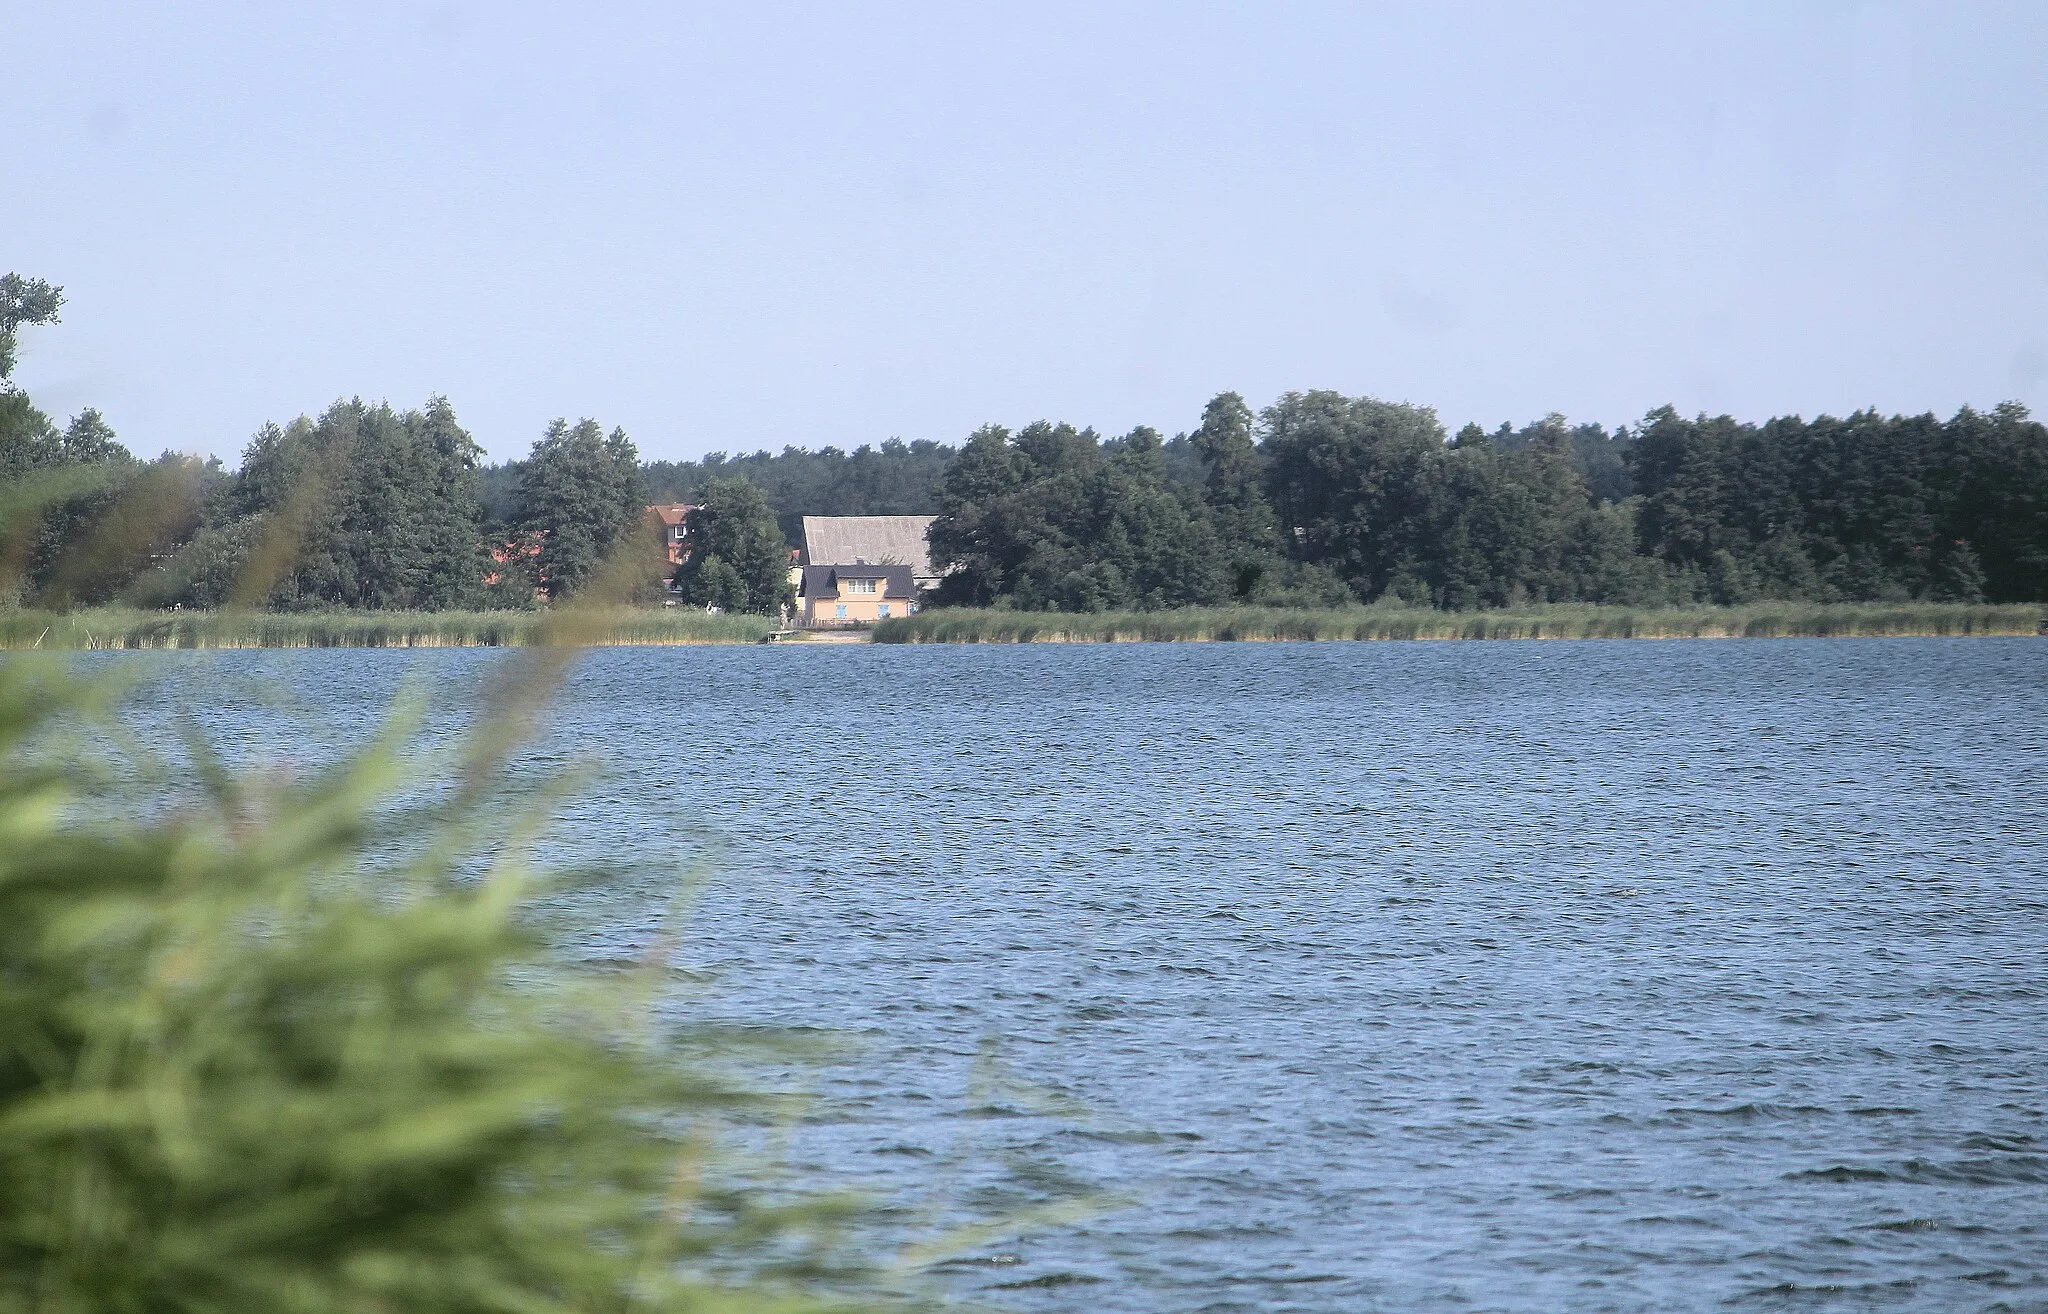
column 858, row 585
column 882, row 611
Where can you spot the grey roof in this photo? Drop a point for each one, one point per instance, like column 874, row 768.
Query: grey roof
column 823, row 581
column 876, row 540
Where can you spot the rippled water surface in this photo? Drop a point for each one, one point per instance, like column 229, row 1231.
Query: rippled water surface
column 1515, row 976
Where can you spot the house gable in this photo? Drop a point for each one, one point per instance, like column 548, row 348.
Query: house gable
column 828, row 583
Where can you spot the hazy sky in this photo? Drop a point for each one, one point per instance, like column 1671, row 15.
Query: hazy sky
column 751, row 225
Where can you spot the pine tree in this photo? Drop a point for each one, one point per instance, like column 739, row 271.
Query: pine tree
column 582, row 492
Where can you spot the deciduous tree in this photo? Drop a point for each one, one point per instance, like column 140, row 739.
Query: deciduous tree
column 737, row 559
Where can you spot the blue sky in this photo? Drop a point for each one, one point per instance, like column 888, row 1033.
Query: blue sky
column 751, row 225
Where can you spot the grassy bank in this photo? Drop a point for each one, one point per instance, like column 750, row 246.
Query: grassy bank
column 113, row 627
column 1764, row 620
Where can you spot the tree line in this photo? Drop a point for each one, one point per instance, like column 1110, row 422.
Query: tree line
column 1322, row 498
column 1319, row 499
column 80, row 517
column 371, row 507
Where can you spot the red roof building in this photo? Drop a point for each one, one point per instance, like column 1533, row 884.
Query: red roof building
column 674, row 520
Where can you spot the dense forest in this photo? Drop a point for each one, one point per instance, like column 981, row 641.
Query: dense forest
column 1319, row 499
column 1324, row 498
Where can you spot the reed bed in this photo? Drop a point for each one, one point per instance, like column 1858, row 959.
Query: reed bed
column 1769, row 620
column 118, row 628
column 121, row 628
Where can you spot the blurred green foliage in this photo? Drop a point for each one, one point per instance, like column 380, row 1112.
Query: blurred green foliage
column 297, row 1045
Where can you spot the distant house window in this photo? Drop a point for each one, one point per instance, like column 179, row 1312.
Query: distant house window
column 675, row 533
column 882, row 611
column 840, row 611
column 860, row 586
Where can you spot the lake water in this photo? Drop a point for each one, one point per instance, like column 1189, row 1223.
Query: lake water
column 1485, row 976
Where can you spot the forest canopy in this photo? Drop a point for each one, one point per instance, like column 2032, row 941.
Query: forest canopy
column 1323, row 497
column 1319, row 499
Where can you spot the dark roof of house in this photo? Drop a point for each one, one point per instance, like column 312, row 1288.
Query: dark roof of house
column 823, row 581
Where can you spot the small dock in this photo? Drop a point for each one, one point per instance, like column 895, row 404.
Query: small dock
column 816, row 636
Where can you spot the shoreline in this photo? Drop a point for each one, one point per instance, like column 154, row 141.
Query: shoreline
column 1553, row 621
column 110, row 629
column 121, row 629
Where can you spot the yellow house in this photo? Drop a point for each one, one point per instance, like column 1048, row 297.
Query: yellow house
column 859, row 594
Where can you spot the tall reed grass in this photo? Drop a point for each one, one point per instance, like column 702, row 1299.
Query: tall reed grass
column 117, row 627
column 1561, row 621
column 300, row 1044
